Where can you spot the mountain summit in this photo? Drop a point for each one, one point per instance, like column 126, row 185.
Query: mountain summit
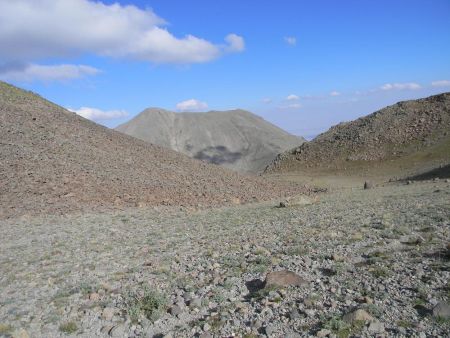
column 236, row 139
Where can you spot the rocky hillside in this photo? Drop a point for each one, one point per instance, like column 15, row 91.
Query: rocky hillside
column 52, row 160
column 235, row 139
column 417, row 130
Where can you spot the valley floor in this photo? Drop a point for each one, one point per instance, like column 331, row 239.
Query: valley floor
column 181, row 274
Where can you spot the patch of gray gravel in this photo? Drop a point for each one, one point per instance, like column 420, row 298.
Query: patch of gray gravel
column 367, row 263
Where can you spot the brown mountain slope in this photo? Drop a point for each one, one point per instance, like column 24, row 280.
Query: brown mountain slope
column 412, row 135
column 53, row 161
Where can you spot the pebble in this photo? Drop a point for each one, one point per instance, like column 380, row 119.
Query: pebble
column 358, row 315
column 108, row 313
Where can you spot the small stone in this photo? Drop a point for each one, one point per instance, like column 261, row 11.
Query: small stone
column 337, row 258
column 256, row 324
column 108, row 313
column 283, row 278
column 310, row 312
column 269, row 329
column 368, row 185
column 175, row 310
column 283, row 204
column 376, row 327
column 292, row 335
column 294, row 314
column 206, row 335
column 187, row 296
column 195, row 303
column 119, row 331
column 94, row 297
column 20, row 333
column 442, row 310
column 358, row 315
column 323, row 333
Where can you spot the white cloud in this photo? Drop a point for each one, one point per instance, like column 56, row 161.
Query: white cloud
column 30, row 72
column 192, row 105
column 266, row 100
column 335, row 93
column 294, row 105
column 290, row 40
column 400, row 86
column 292, row 97
column 441, row 83
column 235, row 43
column 291, row 106
column 98, row 114
column 36, row 29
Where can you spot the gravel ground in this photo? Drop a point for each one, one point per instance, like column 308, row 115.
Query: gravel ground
column 181, row 273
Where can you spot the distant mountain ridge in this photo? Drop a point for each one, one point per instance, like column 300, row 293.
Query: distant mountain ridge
column 415, row 130
column 235, row 139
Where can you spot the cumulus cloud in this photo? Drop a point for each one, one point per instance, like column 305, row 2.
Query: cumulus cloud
column 29, row 72
column 335, row 93
column 98, row 114
column 290, row 40
column 400, row 86
column 441, row 83
column 292, row 97
column 235, row 43
column 192, row 105
column 37, row 29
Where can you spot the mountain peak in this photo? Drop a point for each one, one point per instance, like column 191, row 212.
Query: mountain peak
column 236, row 139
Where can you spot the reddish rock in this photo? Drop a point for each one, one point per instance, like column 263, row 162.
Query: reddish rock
column 283, row 278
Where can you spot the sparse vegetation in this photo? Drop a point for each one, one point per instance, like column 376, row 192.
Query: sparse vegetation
column 148, row 303
column 68, row 328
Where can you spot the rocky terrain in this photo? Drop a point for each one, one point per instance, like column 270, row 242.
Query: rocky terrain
column 105, row 235
column 351, row 262
column 54, row 161
column 413, row 134
column 235, row 139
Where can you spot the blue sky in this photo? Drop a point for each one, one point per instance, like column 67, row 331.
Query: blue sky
column 303, row 65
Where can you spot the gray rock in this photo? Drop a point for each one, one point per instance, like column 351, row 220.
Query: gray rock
column 323, row 333
column 442, row 310
column 270, row 330
column 108, row 313
column 292, row 335
column 175, row 310
column 294, row 314
column 368, row 185
column 195, row 303
column 376, row 327
column 119, row 331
